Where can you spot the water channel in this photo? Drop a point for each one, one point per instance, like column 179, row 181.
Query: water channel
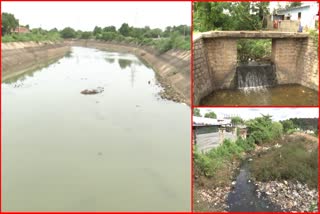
column 244, row 198
column 124, row 149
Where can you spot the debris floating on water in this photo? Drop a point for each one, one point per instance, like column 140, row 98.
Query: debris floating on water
column 92, row 91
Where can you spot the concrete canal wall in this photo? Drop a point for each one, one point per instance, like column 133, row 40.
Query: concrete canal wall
column 19, row 57
column 172, row 68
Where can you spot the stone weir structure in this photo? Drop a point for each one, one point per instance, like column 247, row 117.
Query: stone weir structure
column 295, row 56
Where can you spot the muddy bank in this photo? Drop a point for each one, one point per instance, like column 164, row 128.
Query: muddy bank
column 172, row 68
column 19, row 57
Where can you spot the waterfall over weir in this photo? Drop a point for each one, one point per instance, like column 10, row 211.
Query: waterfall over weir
column 255, row 76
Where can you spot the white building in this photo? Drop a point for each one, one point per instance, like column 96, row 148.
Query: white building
column 202, row 121
column 307, row 13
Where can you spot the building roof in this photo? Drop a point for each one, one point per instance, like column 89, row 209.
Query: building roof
column 293, row 8
column 20, row 29
column 202, row 121
column 290, row 9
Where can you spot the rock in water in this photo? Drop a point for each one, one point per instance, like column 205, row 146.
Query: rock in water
column 92, row 91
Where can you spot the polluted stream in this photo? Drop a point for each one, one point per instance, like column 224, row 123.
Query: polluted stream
column 123, row 148
column 244, row 198
column 257, row 85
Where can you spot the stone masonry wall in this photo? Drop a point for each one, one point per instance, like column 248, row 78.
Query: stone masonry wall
column 284, row 55
column 203, row 79
column 222, row 59
column 296, row 62
column 307, row 64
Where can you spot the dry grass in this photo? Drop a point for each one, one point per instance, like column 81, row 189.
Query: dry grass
column 297, row 159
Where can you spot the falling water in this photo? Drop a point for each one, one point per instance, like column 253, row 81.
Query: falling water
column 255, row 76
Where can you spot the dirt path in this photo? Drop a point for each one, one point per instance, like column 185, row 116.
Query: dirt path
column 307, row 136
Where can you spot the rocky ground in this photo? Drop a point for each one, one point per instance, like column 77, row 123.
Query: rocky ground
column 216, row 198
column 291, row 196
column 212, row 196
column 168, row 91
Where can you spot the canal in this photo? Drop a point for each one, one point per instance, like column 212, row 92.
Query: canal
column 124, row 149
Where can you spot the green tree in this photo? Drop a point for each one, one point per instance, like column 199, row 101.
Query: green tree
column 210, row 115
column 9, row 23
column 124, row 29
column 211, row 16
column 276, row 130
column 97, row 30
column 196, row 112
column 110, row 29
column 236, row 120
column 68, row 32
column 167, row 32
column 287, row 125
column 262, row 129
column 293, row 4
column 230, row 16
column 109, row 36
column 54, row 30
column 86, row 35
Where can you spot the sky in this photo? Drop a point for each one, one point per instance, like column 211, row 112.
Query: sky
column 86, row 15
column 277, row 113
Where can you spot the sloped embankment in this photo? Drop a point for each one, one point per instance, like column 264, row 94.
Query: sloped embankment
column 172, row 68
column 19, row 57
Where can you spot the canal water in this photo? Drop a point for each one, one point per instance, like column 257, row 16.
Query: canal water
column 244, row 198
column 124, row 149
column 280, row 95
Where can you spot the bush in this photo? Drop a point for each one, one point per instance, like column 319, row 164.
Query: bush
column 206, row 164
column 291, row 131
column 175, row 41
column 34, row 36
column 314, row 36
column 163, row 45
column 254, row 49
column 276, row 130
column 108, row 36
column 262, row 129
column 68, row 33
column 210, row 162
column 86, row 35
column 247, row 144
column 290, row 162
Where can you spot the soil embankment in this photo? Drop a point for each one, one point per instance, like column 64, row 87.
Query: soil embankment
column 19, row 57
column 172, row 68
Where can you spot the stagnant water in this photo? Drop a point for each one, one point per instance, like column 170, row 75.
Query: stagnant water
column 244, row 198
column 123, row 149
column 280, row 95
